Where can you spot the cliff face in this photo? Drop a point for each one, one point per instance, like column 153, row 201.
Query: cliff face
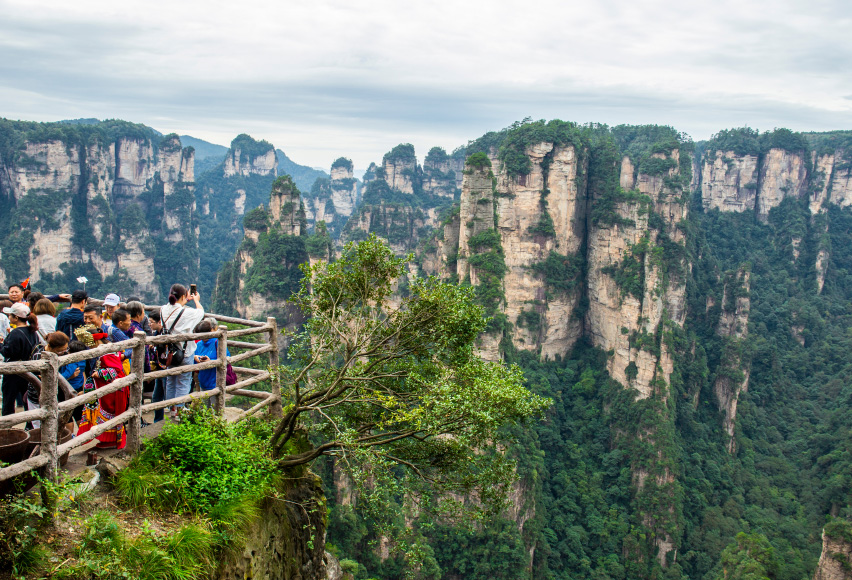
column 96, row 201
column 729, row 182
column 732, row 375
column 288, row 541
column 333, row 200
column 835, row 562
column 396, row 204
column 226, row 193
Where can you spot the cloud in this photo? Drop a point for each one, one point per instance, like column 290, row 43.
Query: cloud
column 322, row 78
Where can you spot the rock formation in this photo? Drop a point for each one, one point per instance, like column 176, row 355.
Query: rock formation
column 835, row 562
column 333, row 200
column 95, row 200
column 732, row 375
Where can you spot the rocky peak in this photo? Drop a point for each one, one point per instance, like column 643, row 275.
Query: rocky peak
column 342, row 168
column 285, row 207
column 250, row 157
column 400, row 168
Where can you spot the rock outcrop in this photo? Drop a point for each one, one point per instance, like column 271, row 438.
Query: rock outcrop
column 333, row 200
column 94, row 200
column 835, row 562
column 288, row 541
column 729, row 182
column 733, row 372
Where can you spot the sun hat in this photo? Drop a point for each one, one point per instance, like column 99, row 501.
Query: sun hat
column 111, row 300
column 20, row 310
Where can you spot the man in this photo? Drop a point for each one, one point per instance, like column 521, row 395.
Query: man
column 110, row 306
column 71, row 318
column 92, row 315
column 120, row 326
column 16, row 293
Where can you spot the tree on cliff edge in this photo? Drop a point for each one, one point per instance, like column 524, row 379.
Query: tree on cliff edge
column 394, row 390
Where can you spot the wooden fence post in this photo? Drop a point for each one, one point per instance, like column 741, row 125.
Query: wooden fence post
column 50, row 423
column 137, row 365
column 275, row 408
column 222, row 369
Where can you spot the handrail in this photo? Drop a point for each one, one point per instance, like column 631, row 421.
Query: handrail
column 51, row 409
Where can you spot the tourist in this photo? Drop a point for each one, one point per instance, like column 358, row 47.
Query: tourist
column 76, row 379
column 45, row 311
column 57, row 343
column 18, row 346
column 107, row 369
column 120, row 326
column 5, row 326
column 159, row 393
column 70, row 319
column 93, row 315
column 111, row 303
column 207, row 350
column 178, row 319
column 138, row 321
column 16, row 293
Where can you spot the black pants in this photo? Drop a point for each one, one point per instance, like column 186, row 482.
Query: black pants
column 12, row 395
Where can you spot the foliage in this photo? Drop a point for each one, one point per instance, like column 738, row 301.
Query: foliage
column 496, row 551
column 629, row 274
column 395, row 392
column 257, row 219
column 751, row 557
column 250, row 149
column 403, row 153
column 520, row 136
column 436, row 156
column 107, row 552
column 478, row 161
column 561, row 273
column 275, row 269
column 319, row 244
column 20, row 522
column 342, row 162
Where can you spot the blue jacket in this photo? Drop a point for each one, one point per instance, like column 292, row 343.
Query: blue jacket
column 68, row 321
column 68, row 370
column 207, row 377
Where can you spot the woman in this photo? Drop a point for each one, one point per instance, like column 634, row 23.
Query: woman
column 57, row 343
column 18, row 346
column 108, row 368
column 178, row 319
column 207, row 350
column 45, row 311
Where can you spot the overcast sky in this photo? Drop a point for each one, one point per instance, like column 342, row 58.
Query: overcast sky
column 324, row 78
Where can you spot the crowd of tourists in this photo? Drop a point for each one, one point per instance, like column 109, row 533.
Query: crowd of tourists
column 30, row 326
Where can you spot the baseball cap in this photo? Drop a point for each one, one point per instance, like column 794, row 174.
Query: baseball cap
column 20, row 310
column 111, row 300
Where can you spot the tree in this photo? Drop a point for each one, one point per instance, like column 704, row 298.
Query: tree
column 394, row 390
column 752, row 557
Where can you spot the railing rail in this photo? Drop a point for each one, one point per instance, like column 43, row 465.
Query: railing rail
column 51, row 409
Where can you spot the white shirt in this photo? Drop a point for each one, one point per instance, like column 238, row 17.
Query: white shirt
column 185, row 324
column 5, row 327
column 46, row 325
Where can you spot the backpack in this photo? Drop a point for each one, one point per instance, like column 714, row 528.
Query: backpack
column 171, row 355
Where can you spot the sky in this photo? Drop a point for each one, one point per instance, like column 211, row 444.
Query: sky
column 327, row 78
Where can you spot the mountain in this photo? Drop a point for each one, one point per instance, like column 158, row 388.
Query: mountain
column 686, row 306
column 207, row 155
column 112, row 201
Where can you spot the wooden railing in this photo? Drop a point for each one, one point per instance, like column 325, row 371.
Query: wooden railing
column 50, row 410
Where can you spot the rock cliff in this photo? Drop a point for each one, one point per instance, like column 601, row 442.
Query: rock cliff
column 105, row 201
column 263, row 275
column 835, row 562
column 226, row 193
column 333, row 200
column 396, row 204
column 732, row 375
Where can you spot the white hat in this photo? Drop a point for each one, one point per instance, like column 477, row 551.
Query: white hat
column 20, row 310
column 111, row 300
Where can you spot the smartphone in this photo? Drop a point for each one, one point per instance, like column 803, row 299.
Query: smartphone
column 192, row 289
